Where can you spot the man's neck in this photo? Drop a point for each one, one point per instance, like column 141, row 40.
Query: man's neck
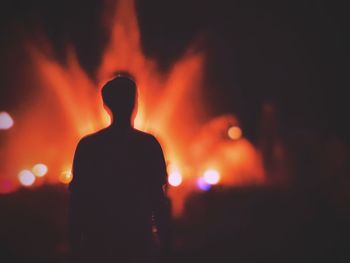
column 121, row 124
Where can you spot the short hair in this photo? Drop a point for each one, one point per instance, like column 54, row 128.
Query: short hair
column 119, row 94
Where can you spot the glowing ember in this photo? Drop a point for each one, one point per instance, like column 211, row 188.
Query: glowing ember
column 26, row 178
column 6, row 121
column 39, row 169
column 211, row 176
column 234, row 133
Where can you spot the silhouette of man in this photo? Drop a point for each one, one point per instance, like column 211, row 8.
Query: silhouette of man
column 117, row 190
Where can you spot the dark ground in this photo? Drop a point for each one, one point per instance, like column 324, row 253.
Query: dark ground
column 250, row 224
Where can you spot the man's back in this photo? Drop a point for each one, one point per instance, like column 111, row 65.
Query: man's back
column 118, row 179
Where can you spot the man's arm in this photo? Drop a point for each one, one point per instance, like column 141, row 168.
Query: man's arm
column 161, row 204
column 75, row 214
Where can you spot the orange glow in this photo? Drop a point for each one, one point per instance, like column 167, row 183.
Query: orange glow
column 26, row 178
column 234, row 133
column 39, row 169
column 67, row 105
column 66, row 177
column 6, row 121
column 211, row 176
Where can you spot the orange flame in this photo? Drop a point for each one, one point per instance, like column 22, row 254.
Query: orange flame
column 68, row 106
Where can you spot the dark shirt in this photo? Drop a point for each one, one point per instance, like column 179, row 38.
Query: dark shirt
column 118, row 179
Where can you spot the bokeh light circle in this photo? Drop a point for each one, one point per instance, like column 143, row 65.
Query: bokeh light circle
column 175, row 178
column 26, row 178
column 39, row 169
column 234, row 133
column 211, row 176
column 6, row 121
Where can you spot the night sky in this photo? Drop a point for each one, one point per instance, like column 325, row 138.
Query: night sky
column 288, row 53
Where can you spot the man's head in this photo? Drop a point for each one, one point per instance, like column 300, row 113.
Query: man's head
column 119, row 95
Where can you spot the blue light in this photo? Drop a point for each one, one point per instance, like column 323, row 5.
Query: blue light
column 202, row 184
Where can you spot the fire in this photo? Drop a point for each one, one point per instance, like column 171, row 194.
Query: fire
column 67, row 106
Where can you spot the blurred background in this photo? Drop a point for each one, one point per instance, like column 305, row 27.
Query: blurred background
column 248, row 100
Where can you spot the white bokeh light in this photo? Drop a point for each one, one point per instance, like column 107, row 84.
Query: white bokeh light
column 211, row 176
column 175, row 177
column 39, row 169
column 6, row 121
column 26, row 178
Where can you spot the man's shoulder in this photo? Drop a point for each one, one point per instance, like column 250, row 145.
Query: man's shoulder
column 90, row 138
column 143, row 134
column 146, row 137
column 139, row 137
